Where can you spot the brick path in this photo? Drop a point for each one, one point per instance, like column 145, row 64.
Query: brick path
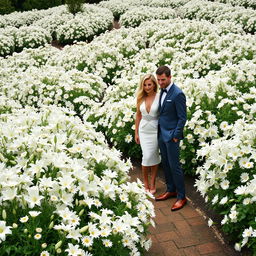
column 182, row 233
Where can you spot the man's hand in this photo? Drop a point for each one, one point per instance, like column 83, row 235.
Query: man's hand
column 175, row 140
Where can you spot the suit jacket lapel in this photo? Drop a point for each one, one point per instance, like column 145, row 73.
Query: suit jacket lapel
column 167, row 96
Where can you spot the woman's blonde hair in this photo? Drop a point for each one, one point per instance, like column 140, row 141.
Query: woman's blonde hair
column 141, row 94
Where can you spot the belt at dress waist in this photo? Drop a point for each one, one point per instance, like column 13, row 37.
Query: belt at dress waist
column 149, row 118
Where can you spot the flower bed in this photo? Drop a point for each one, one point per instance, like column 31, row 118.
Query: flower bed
column 53, row 86
column 134, row 17
column 244, row 3
column 64, row 191
column 216, row 12
column 37, row 28
column 227, row 180
column 116, row 7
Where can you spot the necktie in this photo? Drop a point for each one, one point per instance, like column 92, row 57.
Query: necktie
column 163, row 95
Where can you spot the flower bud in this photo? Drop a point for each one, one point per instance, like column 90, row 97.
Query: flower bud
column 14, row 225
column 58, row 245
column 58, row 251
column 122, row 181
column 51, row 225
column 91, row 177
column 4, row 214
column 2, row 158
column 81, row 213
column 25, row 231
column 14, row 211
column 39, row 230
column 44, row 245
column 52, row 217
column 77, row 202
column 83, row 229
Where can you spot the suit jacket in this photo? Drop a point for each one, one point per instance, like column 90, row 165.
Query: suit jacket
column 172, row 114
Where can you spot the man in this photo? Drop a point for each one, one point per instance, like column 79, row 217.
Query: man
column 172, row 119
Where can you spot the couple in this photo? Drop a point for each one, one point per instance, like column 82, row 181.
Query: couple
column 160, row 119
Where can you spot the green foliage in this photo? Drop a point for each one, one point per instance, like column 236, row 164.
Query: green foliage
column 40, row 4
column 6, row 7
column 74, row 6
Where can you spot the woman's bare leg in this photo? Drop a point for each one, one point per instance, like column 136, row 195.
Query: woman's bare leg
column 154, row 170
column 145, row 171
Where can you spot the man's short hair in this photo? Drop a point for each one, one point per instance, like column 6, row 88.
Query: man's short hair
column 163, row 70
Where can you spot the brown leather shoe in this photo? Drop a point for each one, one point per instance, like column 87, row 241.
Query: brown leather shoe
column 179, row 204
column 165, row 196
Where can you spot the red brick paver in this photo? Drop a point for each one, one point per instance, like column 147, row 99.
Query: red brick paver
column 181, row 233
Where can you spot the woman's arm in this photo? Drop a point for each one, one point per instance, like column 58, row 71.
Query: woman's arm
column 137, row 123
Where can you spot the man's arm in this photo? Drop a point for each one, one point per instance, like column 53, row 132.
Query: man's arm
column 180, row 104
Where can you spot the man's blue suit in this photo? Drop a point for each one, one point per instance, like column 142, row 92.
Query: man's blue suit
column 172, row 119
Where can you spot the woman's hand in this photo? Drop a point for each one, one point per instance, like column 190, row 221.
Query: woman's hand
column 137, row 139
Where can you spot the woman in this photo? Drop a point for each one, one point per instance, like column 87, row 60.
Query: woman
column 146, row 129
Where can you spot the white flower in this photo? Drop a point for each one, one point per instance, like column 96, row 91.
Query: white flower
column 224, row 184
column 73, row 250
column 34, row 213
column 147, row 244
column 107, row 242
column 248, row 232
column 74, row 234
column 24, row 219
column 87, row 241
column 224, row 126
column 4, row 230
column 224, row 220
column 128, row 138
column 223, row 200
column 44, row 253
column 39, row 230
column 241, row 190
column 247, row 201
column 238, row 247
column 9, row 193
column 244, row 177
column 233, row 216
column 215, row 199
column 33, row 198
column 37, row 236
column 210, row 222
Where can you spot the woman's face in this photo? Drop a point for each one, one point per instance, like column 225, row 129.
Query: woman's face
column 149, row 86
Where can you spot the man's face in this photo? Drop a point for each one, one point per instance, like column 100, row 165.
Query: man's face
column 163, row 80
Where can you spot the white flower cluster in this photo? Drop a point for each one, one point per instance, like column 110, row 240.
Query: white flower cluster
column 6, row 44
column 84, row 26
column 49, row 85
column 19, row 19
column 231, row 160
column 37, row 28
column 58, row 173
column 117, row 7
column 217, row 12
column 245, row 3
column 31, row 37
column 134, row 17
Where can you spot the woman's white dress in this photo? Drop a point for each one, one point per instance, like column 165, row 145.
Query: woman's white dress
column 148, row 133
